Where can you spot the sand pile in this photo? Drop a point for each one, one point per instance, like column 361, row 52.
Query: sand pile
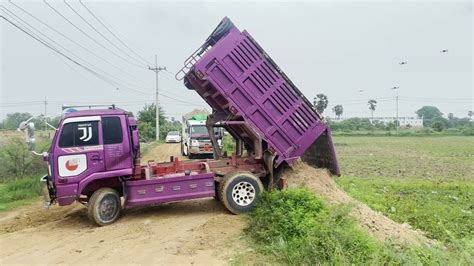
column 323, row 185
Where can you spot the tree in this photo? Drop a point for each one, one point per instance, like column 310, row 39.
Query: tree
column 320, row 102
column 372, row 104
column 469, row 114
column 54, row 121
column 338, row 110
column 12, row 120
column 147, row 123
column 450, row 116
column 439, row 123
column 428, row 113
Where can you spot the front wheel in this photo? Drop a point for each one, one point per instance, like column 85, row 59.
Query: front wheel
column 239, row 192
column 104, row 206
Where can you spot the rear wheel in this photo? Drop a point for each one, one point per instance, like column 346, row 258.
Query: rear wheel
column 104, row 206
column 239, row 192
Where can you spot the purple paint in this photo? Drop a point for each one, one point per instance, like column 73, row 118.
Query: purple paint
column 249, row 84
column 170, row 189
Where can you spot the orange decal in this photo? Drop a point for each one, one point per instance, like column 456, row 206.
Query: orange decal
column 71, row 167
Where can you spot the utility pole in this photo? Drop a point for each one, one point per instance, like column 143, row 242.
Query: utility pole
column 45, row 122
column 396, row 100
column 157, row 69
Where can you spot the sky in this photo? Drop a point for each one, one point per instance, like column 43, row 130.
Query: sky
column 348, row 50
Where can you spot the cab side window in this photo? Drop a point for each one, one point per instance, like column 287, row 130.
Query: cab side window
column 79, row 134
column 111, row 130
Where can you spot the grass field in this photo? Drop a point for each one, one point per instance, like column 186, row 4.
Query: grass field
column 427, row 182
column 18, row 192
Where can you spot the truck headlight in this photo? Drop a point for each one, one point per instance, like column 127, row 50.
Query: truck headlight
column 194, row 142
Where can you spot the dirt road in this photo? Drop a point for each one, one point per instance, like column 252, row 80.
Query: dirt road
column 195, row 232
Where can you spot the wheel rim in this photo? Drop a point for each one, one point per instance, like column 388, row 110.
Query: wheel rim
column 108, row 208
column 243, row 193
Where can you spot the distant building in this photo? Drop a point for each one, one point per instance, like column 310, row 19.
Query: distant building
column 404, row 121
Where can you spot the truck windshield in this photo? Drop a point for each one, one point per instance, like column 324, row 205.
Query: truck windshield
column 199, row 131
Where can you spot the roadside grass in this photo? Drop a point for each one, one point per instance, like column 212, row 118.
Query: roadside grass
column 146, row 147
column 297, row 228
column 18, row 192
column 425, row 182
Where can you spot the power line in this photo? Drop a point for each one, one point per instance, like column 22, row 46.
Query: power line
column 107, row 79
column 113, row 34
column 98, row 32
column 71, row 40
column 88, row 36
column 98, row 75
column 88, row 69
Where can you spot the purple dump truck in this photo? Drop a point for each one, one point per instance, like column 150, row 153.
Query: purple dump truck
column 95, row 154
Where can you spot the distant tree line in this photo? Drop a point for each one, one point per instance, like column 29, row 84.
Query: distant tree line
column 431, row 115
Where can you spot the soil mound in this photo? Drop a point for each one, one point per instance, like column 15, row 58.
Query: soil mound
column 322, row 184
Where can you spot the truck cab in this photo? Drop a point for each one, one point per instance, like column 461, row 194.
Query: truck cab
column 196, row 140
column 91, row 149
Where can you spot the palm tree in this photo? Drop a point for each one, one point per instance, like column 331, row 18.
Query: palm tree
column 320, row 102
column 338, row 109
column 372, row 104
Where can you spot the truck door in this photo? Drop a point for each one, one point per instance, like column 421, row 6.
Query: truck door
column 116, row 138
column 79, row 152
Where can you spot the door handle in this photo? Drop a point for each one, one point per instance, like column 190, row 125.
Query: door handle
column 96, row 158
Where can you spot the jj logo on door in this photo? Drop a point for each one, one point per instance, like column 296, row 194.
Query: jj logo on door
column 86, row 131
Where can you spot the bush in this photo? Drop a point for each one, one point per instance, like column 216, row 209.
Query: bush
column 18, row 161
column 297, row 228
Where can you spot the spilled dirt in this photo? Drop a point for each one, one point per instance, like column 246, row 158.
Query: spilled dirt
column 199, row 232
column 322, row 184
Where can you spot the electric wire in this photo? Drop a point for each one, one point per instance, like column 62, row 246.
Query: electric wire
column 113, row 34
column 88, row 69
column 110, row 77
column 98, row 75
column 72, row 41
column 90, row 37
column 98, row 32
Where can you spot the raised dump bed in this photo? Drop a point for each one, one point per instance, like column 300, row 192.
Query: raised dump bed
column 246, row 88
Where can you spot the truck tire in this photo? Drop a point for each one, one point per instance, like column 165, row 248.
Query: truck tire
column 239, row 192
column 104, row 206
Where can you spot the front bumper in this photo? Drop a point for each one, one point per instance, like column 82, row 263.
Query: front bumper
column 49, row 191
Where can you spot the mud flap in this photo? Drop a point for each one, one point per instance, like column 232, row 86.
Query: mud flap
column 322, row 154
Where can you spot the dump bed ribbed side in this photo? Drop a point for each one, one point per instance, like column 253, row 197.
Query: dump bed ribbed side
column 236, row 76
